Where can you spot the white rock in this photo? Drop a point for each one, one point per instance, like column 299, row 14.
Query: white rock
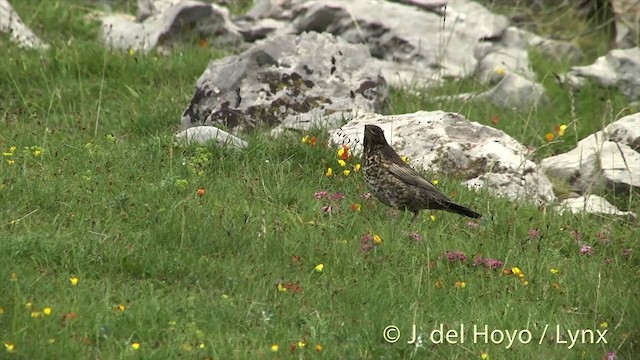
column 204, row 134
column 593, row 204
column 10, row 22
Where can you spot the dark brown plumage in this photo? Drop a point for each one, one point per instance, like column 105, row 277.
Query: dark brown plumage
column 396, row 184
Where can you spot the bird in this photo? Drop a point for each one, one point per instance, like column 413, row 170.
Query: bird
column 396, row 184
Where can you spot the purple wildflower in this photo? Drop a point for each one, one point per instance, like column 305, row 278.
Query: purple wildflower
column 337, row 196
column 473, row 224
column 586, row 250
column 611, row 355
column 534, row 234
column 456, row 256
column 320, row 194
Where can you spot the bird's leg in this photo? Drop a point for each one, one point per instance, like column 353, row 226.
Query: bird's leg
column 415, row 217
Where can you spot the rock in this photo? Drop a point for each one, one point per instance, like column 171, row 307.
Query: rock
column 608, row 159
column 449, row 143
column 626, row 14
column 619, row 68
column 508, row 53
column 167, row 28
column 593, row 204
column 515, row 92
column 148, row 8
column 258, row 29
column 408, row 42
column 204, row 134
column 19, row 33
column 287, row 81
column 558, row 50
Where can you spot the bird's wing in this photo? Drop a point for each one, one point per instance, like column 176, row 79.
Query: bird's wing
column 412, row 177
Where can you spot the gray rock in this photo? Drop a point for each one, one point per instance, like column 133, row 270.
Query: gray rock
column 169, row 27
column 505, row 54
column 619, row 68
column 448, row 143
column 258, row 29
column 595, row 205
column 422, row 44
column 287, row 81
column 10, row 22
column 204, row 134
column 607, row 159
column 515, row 92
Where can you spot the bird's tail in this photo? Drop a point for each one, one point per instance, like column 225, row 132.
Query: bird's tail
column 459, row 209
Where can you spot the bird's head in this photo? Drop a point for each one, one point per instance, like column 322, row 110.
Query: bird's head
column 373, row 136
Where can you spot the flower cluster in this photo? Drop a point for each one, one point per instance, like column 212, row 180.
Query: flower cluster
column 311, row 140
column 289, row 286
column 369, row 241
column 489, row 263
column 10, row 154
column 332, row 202
column 517, row 272
column 558, row 131
column 344, row 161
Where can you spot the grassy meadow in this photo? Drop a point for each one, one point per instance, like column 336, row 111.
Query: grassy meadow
column 116, row 243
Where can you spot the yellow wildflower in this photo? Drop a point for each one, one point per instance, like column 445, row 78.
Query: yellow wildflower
column 562, row 129
column 346, row 172
column 484, row 356
column 132, row 51
column 36, row 314
column 301, row 344
column 305, row 139
column 604, row 324
column 202, row 346
column 10, row 162
column 121, row 307
column 435, row 182
column 282, row 288
column 319, row 267
column 516, row 271
column 342, row 163
column 73, row 280
column 377, row 239
column 329, row 172
column 432, row 217
column 356, row 167
column 28, row 305
column 14, row 277
column 9, row 347
column 47, row 311
column 500, row 70
column 405, row 159
column 318, row 348
column 135, row 345
column 460, row 284
column 274, row 347
column 555, row 271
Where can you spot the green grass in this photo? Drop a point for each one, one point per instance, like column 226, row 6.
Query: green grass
column 113, row 201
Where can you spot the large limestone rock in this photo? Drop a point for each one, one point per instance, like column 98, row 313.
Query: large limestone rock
column 449, row 143
column 606, row 160
column 170, row 23
column 619, row 68
column 416, row 43
column 10, row 22
column 287, row 81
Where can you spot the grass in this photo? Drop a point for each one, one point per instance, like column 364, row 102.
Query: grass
column 99, row 193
